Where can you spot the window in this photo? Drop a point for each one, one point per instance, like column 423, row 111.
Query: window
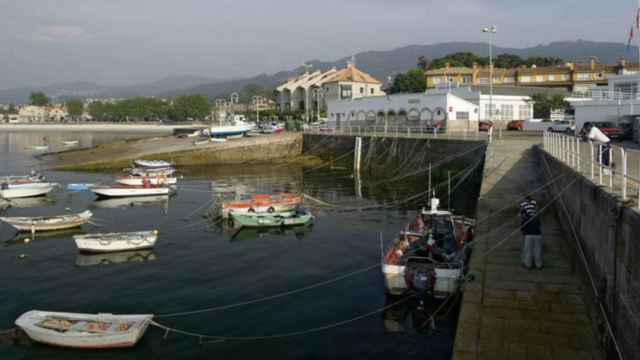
column 436, row 80
column 524, row 112
column 346, row 92
column 467, row 79
column 462, row 115
column 484, row 81
column 552, row 78
column 584, row 76
column 525, row 78
column 361, row 91
column 509, row 79
column 564, row 77
column 506, row 112
column 489, row 110
column 372, row 91
column 539, row 78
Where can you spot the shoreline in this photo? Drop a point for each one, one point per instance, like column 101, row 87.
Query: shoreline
column 157, row 128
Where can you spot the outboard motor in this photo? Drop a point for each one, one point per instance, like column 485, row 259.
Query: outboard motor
column 422, row 283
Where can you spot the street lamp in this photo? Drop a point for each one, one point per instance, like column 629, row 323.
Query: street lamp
column 490, row 30
column 318, row 94
column 257, row 101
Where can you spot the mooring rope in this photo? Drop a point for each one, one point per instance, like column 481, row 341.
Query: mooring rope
column 282, row 335
column 271, row 297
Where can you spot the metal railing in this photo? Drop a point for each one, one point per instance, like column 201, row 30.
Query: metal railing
column 400, row 131
column 605, row 94
column 589, row 159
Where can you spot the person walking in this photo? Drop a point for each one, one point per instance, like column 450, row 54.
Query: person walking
column 592, row 133
column 531, row 254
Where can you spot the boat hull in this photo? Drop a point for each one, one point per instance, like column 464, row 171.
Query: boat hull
column 131, row 192
column 270, row 209
column 153, row 180
column 257, row 221
column 62, row 222
column 25, row 192
column 153, row 164
column 105, row 243
column 84, row 340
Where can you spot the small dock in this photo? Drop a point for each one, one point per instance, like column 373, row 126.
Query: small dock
column 509, row 312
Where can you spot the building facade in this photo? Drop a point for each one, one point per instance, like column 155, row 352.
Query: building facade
column 454, row 110
column 310, row 92
column 576, row 78
column 38, row 114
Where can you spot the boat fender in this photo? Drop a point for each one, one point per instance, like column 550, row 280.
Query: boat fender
column 271, row 209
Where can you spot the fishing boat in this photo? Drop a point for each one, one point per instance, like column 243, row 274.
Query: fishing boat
column 48, row 223
column 22, row 179
column 153, row 164
column 7, row 192
column 140, row 180
column 272, row 220
column 430, row 255
column 84, row 259
column 262, row 203
column 86, row 331
column 25, row 185
column 120, row 190
column 114, row 242
column 168, row 171
column 71, row 143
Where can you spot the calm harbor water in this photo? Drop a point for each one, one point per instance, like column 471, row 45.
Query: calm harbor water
column 198, row 264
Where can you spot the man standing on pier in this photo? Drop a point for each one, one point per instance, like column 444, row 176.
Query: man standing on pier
column 531, row 229
column 591, row 132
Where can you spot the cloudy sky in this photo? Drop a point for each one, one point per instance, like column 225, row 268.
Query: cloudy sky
column 116, row 42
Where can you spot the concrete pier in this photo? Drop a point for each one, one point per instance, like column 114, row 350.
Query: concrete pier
column 509, row 312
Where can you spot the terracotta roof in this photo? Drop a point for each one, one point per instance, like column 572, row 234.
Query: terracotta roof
column 352, row 74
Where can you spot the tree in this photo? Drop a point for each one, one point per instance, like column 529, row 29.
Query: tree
column 190, row 107
column 508, row 61
column 412, row 81
column 423, row 63
column 75, row 107
column 543, row 104
column 39, row 98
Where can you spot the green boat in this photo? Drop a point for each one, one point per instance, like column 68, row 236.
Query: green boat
column 272, row 220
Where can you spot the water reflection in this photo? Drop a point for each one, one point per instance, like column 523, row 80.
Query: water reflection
column 410, row 318
column 245, row 234
column 133, row 201
column 32, row 202
column 115, row 258
column 25, row 238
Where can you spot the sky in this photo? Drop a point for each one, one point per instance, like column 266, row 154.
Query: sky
column 121, row 42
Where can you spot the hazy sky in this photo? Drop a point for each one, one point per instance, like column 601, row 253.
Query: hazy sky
column 117, row 42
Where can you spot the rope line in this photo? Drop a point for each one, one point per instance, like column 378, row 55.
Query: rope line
column 283, row 335
column 271, row 297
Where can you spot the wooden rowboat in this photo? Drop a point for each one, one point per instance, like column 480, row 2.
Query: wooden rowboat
column 114, row 242
column 272, row 220
column 126, row 190
column 49, row 223
column 153, row 180
column 262, row 203
column 85, row 331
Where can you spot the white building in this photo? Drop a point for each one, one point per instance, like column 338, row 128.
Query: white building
column 618, row 103
column 310, row 92
column 454, row 109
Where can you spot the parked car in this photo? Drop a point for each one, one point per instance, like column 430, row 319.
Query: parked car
column 610, row 129
column 516, row 125
column 485, row 125
column 564, row 126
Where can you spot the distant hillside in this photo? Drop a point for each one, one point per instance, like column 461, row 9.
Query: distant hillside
column 63, row 91
column 382, row 64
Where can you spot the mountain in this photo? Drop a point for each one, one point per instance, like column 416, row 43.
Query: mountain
column 81, row 89
column 382, row 64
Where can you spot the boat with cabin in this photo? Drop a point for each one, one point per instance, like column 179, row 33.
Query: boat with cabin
column 48, row 223
column 85, row 331
column 150, row 172
column 153, row 164
column 8, row 191
column 430, row 255
column 140, row 180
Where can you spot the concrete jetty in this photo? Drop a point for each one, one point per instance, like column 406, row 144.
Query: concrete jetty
column 509, row 312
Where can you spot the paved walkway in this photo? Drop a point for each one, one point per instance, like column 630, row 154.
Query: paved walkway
column 509, row 312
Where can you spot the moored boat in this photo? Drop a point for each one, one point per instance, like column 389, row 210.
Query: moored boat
column 273, row 220
column 71, row 142
column 128, row 190
column 430, row 256
column 23, row 191
column 40, row 147
column 153, row 164
column 84, row 259
column 87, row 331
column 227, row 131
column 22, row 179
column 49, row 223
column 132, row 201
column 149, row 172
column 25, row 185
column 140, row 180
column 114, row 242
column 262, row 203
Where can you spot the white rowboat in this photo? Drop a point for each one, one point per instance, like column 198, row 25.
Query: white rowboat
column 26, row 185
column 125, row 191
column 86, row 331
column 40, row 147
column 153, row 180
column 25, row 192
column 71, row 143
column 113, row 242
column 153, row 163
column 49, row 223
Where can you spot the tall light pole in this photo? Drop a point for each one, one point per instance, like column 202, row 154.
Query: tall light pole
column 490, row 30
column 318, row 94
column 257, row 101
